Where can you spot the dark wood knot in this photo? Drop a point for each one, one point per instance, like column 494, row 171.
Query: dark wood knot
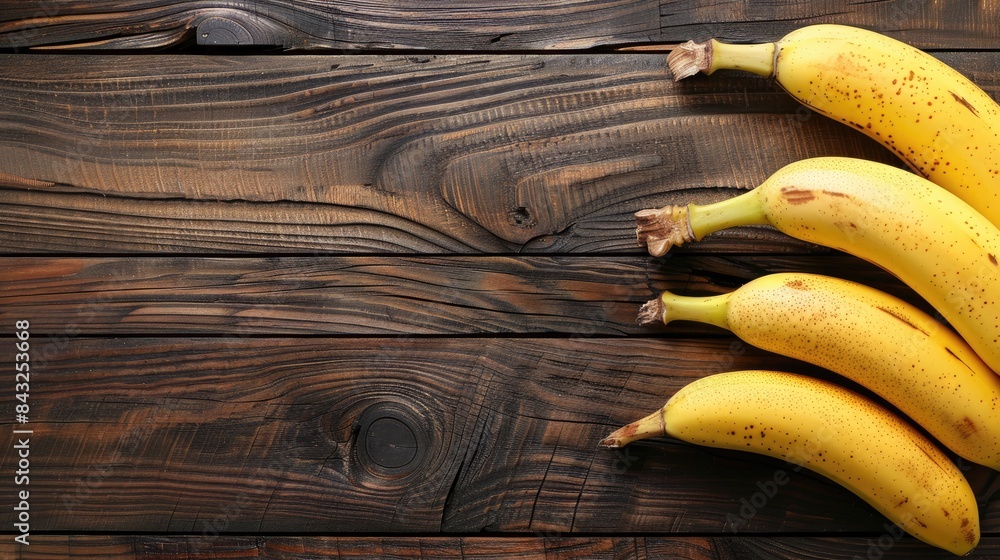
column 391, row 440
column 224, row 31
column 390, row 443
column 521, row 217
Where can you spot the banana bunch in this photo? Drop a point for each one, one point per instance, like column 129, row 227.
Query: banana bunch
column 934, row 226
column 924, row 235
column 931, row 374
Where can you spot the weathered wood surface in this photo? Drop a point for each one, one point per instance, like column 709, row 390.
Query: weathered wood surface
column 463, row 25
column 201, row 547
column 363, row 305
column 277, row 435
column 383, row 154
column 358, row 295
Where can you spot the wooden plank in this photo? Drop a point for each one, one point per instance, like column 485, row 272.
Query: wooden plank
column 496, row 154
column 399, row 434
column 357, row 295
column 385, row 154
column 463, row 25
column 72, row 547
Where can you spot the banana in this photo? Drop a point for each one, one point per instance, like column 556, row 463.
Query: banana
column 831, row 431
column 941, row 124
column 927, row 237
column 891, row 347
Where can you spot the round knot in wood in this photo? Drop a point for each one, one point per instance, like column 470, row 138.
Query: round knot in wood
column 223, row 31
column 521, row 217
column 391, row 441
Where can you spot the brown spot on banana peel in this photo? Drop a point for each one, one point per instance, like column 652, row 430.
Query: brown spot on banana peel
column 966, row 427
column 965, row 103
column 797, row 285
column 797, row 196
column 916, row 168
column 919, row 444
column 959, row 358
column 993, row 258
column 836, row 194
column 968, row 533
column 905, row 321
column 807, row 195
column 844, row 226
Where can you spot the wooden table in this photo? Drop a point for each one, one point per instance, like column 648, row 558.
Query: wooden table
column 356, row 280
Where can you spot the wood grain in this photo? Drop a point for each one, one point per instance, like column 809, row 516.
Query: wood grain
column 58, row 547
column 358, row 295
column 262, row 435
column 430, row 154
column 464, row 25
column 379, row 300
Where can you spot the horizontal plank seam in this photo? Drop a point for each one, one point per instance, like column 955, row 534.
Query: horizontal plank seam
column 489, row 535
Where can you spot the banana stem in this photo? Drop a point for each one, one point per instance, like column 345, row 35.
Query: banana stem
column 672, row 307
column 690, row 58
column 663, row 228
column 650, row 426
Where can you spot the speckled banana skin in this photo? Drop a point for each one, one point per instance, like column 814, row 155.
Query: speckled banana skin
column 938, row 121
column 935, row 243
column 831, row 431
column 883, row 343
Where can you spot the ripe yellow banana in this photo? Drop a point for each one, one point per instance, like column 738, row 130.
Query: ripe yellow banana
column 831, row 431
column 889, row 346
column 935, row 243
column 935, row 119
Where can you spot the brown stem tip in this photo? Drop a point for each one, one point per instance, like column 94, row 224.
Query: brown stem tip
column 621, row 437
column 611, row 442
column 663, row 228
column 690, row 58
column 651, row 312
column 650, row 426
